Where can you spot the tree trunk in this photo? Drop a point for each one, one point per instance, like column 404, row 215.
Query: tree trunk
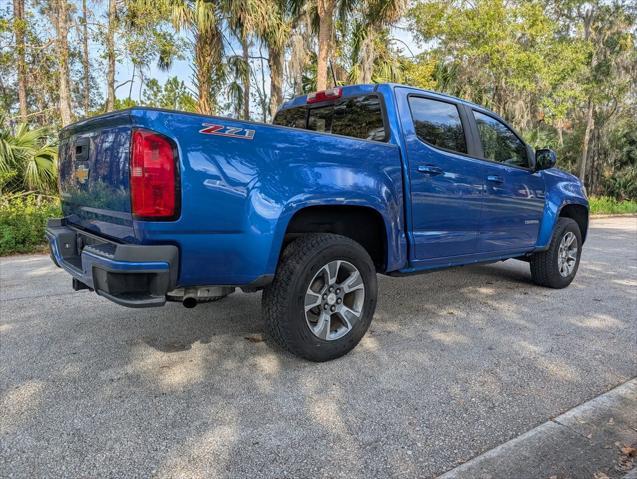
column 205, row 61
column 246, row 78
column 19, row 26
column 261, row 91
column 142, row 80
column 85, row 59
column 275, row 62
column 326, row 22
column 62, row 42
column 367, row 57
column 132, row 82
column 590, row 123
column 110, row 55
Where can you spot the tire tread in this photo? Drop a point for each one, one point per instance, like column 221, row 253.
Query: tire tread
column 276, row 295
column 543, row 264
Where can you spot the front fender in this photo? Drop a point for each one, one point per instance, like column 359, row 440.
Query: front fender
column 562, row 189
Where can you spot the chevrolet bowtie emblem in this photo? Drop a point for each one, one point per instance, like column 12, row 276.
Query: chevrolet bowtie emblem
column 81, row 173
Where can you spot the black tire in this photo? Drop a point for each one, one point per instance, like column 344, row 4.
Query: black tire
column 283, row 301
column 544, row 265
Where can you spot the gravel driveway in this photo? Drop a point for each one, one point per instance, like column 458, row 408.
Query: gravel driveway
column 455, row 363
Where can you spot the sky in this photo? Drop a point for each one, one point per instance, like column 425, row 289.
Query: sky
column 183, row 69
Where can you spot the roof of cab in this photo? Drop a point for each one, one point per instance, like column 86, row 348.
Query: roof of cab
column 353, row 90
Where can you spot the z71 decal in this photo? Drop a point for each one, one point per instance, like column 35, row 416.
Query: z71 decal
column 221, row 130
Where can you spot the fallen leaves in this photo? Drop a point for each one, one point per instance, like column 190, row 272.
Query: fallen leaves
column 626, row 462
column 629, row 451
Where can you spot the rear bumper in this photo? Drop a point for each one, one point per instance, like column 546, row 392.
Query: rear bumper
column 136, row 276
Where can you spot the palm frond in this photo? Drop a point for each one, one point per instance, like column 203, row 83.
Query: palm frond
column 30, row 155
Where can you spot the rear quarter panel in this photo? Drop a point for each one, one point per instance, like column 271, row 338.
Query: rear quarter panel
column 238, row 194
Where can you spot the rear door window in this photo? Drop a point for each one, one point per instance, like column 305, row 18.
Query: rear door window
column 357, row 117
column 438, row 123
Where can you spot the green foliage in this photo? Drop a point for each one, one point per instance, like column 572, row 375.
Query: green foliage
column 622, row 184
column 28, row 157
column 604, row 205
column 420, row 72
column 538, row 63
column 542, row 65
column 121, row 104
column 22, row 222
column 502, row 54
column 173, row 94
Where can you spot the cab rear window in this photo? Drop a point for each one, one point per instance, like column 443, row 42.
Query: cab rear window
column 294, row 117
column 358, row 117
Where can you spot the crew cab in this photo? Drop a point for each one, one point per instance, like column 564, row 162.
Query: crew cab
column 346, row 183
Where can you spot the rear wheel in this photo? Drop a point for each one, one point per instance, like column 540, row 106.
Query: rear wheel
column 323, row 297
column 556, row 267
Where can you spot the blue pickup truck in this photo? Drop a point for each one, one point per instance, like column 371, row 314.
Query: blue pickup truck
column 346, row 183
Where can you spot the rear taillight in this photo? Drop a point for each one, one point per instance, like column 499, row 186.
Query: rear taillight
column 325, row 95
column 153, row 176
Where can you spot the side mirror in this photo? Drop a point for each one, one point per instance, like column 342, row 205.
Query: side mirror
column 545, row 159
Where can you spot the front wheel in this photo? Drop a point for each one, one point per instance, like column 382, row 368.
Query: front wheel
column 556, row 267
column 323, row 297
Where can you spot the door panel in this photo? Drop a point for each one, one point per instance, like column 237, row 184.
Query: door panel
column 512, row 209
column 446, row 186
column 514, row 195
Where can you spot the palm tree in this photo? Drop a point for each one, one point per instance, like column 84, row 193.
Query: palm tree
column 374, row 18
column 29, row 156
column 203, row 19
column 245, row 18
column 276, row 35
column 326, row 11
column 272, row 22
column 378, row 15
column 238, row 90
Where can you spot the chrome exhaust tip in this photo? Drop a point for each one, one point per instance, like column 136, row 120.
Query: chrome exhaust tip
column 189, row 302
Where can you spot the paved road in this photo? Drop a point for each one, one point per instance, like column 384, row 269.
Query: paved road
column 456, row 363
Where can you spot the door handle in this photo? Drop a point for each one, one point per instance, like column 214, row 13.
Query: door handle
column 430, row 170
column 495, row 179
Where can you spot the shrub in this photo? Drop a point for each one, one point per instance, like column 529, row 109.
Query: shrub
column 605, row 205
column 22, row 221
column 28, row 158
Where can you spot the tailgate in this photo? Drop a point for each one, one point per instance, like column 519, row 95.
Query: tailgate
column 94, row 159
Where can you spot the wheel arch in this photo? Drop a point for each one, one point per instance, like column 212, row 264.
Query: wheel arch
column 362, row 223
column 578, row 213
column 576, row 210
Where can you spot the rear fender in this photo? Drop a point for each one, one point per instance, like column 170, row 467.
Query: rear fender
column 388, row 206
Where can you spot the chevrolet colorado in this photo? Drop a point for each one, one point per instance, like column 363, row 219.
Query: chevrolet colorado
column 346, row 183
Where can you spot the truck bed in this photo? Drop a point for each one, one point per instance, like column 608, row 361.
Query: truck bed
column 240, row 184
